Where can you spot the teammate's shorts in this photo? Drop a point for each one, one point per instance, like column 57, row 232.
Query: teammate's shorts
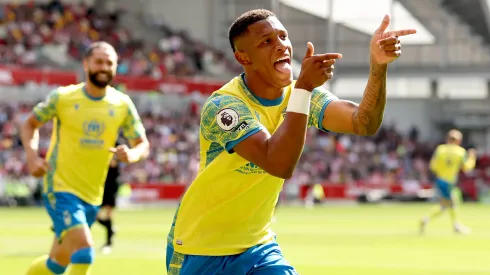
column 265, row 259
column 110, row 194
column 67, row 211
column 444, row 188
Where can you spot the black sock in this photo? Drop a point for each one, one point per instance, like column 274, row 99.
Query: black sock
column 103, row 223
column 110, row 231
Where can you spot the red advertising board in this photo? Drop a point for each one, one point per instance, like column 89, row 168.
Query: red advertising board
column 157, row 192
column 19, row 76
column 148, row 192
column 168, row 85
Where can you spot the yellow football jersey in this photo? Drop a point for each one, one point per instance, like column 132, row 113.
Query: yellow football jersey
column 448, row 160
column 84, row 128
column 229, row 206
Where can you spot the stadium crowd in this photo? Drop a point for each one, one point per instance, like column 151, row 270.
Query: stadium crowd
column 26, row 28
column 386, row 158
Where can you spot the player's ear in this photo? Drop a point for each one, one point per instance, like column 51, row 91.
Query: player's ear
column 242, row 58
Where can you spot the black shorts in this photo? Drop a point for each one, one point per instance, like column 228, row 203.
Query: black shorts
column 110, row 194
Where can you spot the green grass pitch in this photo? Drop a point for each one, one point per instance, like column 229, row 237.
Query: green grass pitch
column 375, row 239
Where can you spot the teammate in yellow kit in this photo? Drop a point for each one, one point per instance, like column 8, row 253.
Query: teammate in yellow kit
column 446, row 163
column 87, row 118
column 252, row 133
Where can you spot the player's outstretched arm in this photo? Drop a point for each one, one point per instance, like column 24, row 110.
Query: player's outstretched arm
column 279, row 153
column 42, row 113
column 470, row 161
column 364, row 119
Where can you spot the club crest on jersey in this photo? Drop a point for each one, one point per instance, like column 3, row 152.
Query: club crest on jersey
column 93, row 128
column 227, row 119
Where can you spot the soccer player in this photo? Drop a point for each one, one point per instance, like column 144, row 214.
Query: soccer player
column 87, row 118
column 446, row 163
column 252, row 133
column 104, row 216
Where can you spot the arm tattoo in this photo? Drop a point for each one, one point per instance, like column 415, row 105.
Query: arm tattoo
column 369, row 115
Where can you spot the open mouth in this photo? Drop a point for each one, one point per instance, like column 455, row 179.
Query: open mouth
column 283, row 65
column 104, row 76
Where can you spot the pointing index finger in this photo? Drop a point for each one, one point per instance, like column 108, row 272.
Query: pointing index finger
column 401, row 32
column 327, row 56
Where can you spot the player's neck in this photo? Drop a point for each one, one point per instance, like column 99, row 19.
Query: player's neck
column 94, row 91
column 261, row 88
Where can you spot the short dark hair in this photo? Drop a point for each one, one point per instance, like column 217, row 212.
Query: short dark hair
column 96, row 45
column 241, row 24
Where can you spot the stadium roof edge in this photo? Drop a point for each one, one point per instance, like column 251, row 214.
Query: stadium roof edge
column 357, row 20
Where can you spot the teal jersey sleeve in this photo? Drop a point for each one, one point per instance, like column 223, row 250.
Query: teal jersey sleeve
column 47, row 110
column 132, row 126
column 320, row 98
column 227, row 120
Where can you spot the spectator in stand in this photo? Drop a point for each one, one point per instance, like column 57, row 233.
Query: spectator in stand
column 26, row 28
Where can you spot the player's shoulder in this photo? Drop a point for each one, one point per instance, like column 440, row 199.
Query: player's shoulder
column 440, row 148
column 232, row 89
column 450, row 149
column 69, row 90
column 223, row 104
column 453, row 147
column 114, row 94
column 229, row 94
column 221, row 100
column 65, row 94
column 461, row 150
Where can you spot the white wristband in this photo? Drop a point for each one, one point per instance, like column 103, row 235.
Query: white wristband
column 299, row 101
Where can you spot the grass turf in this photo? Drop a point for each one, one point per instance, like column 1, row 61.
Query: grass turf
column 375, row 239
